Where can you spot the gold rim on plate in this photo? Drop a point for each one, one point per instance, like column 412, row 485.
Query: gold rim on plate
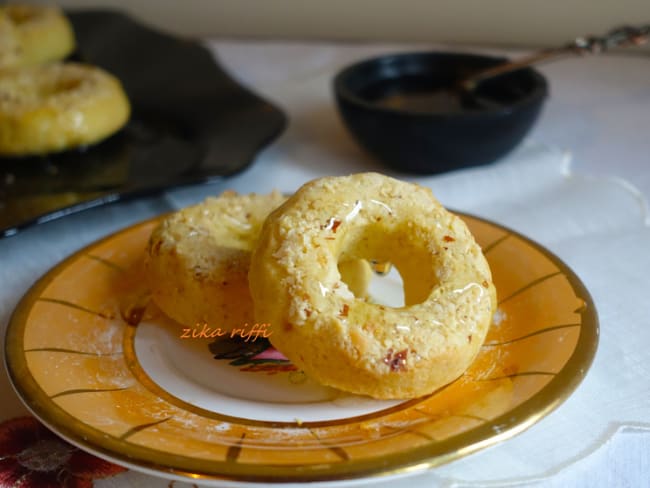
column 70, row 357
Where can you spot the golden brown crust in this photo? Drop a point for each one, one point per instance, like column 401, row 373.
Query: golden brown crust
column 33, row 34
column 53, row 107
column 198, row 258
column 349, row 343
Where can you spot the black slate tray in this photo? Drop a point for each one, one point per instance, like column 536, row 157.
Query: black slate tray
column 191, row 123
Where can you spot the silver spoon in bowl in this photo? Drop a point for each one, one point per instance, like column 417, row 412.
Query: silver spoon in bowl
column 618, row 37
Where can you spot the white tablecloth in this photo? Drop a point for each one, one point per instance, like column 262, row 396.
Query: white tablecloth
column 578, row 186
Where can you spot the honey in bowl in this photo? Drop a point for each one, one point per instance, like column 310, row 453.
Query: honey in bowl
column 443, row 101
column 423, row 95
column 409, row 111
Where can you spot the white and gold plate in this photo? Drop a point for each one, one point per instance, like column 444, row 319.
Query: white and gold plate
column 118, row 379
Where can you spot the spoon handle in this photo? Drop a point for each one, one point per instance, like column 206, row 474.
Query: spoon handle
column 621, row 36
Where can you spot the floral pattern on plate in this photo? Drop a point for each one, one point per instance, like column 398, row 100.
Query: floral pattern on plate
column 32, row 456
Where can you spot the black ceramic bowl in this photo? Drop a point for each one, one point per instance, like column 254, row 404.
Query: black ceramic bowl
column 403, row 109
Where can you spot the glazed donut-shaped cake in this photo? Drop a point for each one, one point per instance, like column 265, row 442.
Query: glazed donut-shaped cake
column 356, row 345
column 198, row 258
column 57, row 106
column 33, row 34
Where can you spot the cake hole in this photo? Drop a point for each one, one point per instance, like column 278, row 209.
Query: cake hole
column 400, row 269
column 386, row 285
column 381, row 279
column 380, row 268
column 66, row 85
column 21, row 14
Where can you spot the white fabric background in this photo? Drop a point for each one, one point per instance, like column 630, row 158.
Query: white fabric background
column 599, row 225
